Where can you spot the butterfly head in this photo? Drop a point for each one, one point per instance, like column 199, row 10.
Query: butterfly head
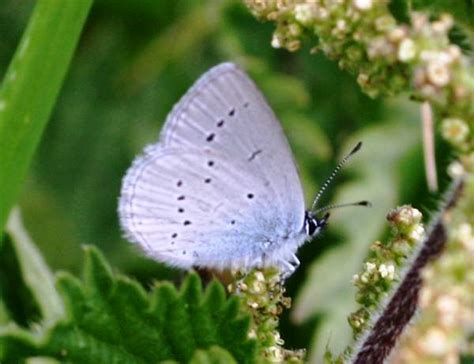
column 313, row 225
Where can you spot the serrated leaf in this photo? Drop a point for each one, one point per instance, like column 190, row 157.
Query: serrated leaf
column 112, row 319
column 97, row 274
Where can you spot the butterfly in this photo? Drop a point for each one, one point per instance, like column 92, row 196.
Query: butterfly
column 220, row 189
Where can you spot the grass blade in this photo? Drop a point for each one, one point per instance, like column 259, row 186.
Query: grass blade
column 30, row 88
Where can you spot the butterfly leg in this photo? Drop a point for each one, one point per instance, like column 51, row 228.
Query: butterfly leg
column 294, row 261
column 288, row 267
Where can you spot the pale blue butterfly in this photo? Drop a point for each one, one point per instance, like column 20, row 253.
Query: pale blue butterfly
column 220, row 189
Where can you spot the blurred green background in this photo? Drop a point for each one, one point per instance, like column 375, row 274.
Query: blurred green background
column 136, row 59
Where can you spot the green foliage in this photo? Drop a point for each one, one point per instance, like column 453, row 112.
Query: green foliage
column 112, row 319
column 30, row 87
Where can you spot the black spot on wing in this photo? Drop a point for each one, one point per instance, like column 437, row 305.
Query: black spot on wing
column 254, row 154
column 210, row 137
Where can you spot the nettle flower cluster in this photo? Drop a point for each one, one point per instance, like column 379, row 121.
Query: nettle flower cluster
column 263, row 293
column 387, row 56
column 381, row 269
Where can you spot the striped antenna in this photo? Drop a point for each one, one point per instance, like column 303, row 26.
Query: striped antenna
column 331, row 207
column 334, row 173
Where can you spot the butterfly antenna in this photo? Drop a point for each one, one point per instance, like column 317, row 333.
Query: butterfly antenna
column 331, row 207
column 334, row 173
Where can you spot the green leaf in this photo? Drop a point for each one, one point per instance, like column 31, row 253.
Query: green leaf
column 30, row 88
column 27, row 291
column 112, row 319
column 34, row 271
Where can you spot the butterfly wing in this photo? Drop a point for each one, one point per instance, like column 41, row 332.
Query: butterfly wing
column 220, row 188
column 224, row 112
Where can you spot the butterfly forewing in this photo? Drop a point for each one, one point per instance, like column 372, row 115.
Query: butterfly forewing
column 225, row 112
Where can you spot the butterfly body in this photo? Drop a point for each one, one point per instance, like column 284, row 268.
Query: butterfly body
column 220, row 189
